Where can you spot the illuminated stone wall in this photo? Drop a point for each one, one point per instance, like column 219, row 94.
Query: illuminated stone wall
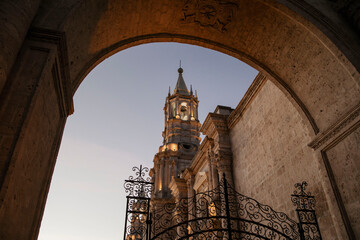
column 271, row 154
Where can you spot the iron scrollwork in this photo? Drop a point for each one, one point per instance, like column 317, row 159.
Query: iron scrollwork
column 305, row 208
column 139, row 184
column 221, row 214
column 138, row 189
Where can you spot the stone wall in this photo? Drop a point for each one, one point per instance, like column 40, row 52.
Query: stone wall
column 344, row 159
column 271, row 154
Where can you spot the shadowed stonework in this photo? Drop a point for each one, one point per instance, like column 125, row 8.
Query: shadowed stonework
column 305, row 105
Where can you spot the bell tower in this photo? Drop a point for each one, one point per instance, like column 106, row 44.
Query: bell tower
column 181, row 137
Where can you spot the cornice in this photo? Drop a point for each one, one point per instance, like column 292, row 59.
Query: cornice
column 60, row 71
column 176, row 120
column 166, row 154
column 245, row 101
column 338, row 131
column 177, row 96
column 183, row 135
column 214, row 122
column 207, row 142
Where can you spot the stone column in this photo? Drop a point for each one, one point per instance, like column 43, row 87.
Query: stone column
column 157, row 176
column 190, row 186
column 208, row 160
column 190, row 179
column 192, row 203
column 173, row 172
column 224, row 166
column 177, row 113
column 213, row 169
column 161, row 175
column 175, row 169
column 166, row 172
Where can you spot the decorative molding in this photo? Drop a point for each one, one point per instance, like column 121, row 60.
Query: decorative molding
column 60, row 69
column 254, row 88
column 214, row 123
column 59, row 89
column 338, row 131
column 217, row 14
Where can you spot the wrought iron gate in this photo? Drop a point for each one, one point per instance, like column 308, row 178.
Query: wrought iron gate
column 138, row 190
column 224, row 214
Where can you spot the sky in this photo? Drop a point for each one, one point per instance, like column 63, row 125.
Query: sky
column 118, row 123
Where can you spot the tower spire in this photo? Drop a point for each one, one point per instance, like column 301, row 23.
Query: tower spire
column 180, row 85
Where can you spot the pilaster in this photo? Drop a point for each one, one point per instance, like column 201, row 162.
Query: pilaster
column 37, row 95
column 216, row 127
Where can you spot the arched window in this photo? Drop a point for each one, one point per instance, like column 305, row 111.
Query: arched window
column 184, row 111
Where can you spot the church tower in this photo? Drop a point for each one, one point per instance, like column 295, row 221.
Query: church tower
column 181, row 137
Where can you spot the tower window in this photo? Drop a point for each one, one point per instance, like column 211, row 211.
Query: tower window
column 186, row 146
column 184, row 111
column 172, row 110
column 183, row 108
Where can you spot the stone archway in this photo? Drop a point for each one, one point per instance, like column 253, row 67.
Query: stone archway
column 307, row 50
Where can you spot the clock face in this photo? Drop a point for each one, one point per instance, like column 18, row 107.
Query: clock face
column 184, row 111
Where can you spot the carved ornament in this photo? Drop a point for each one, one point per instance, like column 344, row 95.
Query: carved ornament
column 217, row 14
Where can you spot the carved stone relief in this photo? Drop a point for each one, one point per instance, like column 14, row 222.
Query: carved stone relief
column 215, row 13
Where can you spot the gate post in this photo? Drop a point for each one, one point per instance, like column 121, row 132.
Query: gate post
column 148, row 225
column 227, row 208
column 305, row 209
